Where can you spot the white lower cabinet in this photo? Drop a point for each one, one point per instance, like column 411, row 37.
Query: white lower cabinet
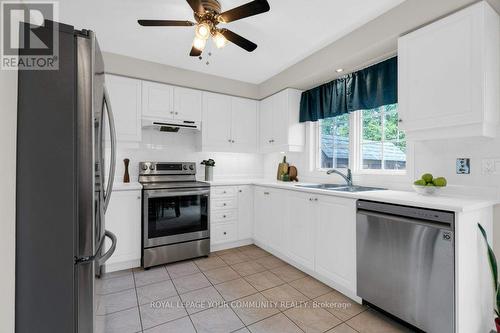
column 231, row 215
column 317, row 233
column 300, row 228
column 245, row 212
column 336, row 240
column 123, row 218
column 270, row 217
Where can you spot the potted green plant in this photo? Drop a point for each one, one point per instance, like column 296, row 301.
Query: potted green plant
column 209, row 169
column 494, row 273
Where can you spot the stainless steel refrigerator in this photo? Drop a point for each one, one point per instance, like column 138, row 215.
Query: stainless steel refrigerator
column 63, row 188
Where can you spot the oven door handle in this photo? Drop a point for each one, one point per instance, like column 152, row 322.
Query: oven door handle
column 173, row 193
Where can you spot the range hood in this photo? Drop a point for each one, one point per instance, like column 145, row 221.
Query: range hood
column 170, row 125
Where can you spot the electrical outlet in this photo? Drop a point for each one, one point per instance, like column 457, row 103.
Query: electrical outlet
column 463, row 166
column 491, row 167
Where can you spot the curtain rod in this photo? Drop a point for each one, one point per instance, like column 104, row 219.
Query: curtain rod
column 364, row 65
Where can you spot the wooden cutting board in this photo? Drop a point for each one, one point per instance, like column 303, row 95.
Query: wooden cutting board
column 293, row 173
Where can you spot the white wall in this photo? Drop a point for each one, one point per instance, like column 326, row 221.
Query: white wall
column 183, row 147
column 8, row 121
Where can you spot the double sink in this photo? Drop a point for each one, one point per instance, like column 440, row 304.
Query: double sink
column 342, row 188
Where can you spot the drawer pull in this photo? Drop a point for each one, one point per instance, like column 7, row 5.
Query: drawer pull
column 224, row 216
column 225, row 233
column 224, row 204
column 266, row 193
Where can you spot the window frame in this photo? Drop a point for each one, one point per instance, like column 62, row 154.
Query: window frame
column 355, row 150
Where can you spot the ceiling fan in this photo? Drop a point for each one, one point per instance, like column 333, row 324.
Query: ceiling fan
column 208, row 14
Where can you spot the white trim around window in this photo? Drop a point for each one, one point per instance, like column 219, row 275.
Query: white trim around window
column 355, row 151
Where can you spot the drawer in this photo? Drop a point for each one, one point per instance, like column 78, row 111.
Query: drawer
column 223, row 216
column 223, row 203
column 223, row 233
column 223, row 191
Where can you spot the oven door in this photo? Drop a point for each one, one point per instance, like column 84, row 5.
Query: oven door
column 175, row 216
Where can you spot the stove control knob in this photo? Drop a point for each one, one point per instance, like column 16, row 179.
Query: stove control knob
column 151, row 167
column 191, row 167
column 185, row 167
column 144, row 167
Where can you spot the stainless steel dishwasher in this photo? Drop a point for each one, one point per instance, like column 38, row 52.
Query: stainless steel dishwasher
column 405, row 263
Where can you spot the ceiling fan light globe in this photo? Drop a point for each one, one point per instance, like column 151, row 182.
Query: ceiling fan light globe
column 199, row 43
column 202, row 31
column 219, row 40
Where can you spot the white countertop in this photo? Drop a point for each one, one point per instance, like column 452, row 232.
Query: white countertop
column 132, row 186
column 448, row 203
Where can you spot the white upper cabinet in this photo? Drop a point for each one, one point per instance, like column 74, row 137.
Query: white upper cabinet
column 161, row 101
column 157, row 100
column 216, row 124
column 187, row 104
column 229, row 124
column 280, row 129
column 244, row 124
column 448, row 76
column 125, row 99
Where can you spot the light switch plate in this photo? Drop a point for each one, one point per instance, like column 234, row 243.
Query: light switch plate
column 463, row 166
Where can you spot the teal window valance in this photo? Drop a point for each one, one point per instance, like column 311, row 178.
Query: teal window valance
column 365, row 89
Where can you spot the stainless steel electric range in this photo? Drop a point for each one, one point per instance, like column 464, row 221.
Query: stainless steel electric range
column 175, row 213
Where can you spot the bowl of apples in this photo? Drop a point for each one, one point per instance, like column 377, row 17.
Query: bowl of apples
column 428, row 185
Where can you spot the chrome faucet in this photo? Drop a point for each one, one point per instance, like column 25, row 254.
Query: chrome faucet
column 348, row 177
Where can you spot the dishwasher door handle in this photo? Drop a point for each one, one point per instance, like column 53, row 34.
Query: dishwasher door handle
column 438, row 225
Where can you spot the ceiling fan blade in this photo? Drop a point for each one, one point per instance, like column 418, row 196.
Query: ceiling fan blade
column 246, row 10
column 195, row 52
column 238, row 40
column 165, row 23
column 196, row 6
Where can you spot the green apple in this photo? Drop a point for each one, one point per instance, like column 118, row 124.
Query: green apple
column 440, row 181
column 427, row 177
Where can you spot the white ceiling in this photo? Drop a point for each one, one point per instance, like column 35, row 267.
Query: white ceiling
column 290, row 32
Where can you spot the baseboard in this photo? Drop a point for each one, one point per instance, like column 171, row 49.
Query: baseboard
column 332, row 284
column 120, row 266
column 225, row 246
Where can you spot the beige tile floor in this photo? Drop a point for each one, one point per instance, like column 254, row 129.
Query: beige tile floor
column 238, row 290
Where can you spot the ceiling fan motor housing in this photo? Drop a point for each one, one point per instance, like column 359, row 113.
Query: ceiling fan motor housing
column 211, row 6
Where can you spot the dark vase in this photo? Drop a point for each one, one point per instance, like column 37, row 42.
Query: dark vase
column 126, row 176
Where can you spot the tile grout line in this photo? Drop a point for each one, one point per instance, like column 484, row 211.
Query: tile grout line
column 137, row 299
column 217, row 290
column 179, row 295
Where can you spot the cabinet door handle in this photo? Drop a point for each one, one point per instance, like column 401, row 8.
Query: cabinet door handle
column 224, row 204
column 171, row 112
column 400, row 120
column 232, row 141
column 315, row 199
column 241, row 191
column 310, row 199
column 225, row 233
column 229, row 140
column 224, row 216
column 138, row 198
column 266, row 193
column 177, row 113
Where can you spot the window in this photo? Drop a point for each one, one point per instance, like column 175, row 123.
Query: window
column 382, row 144
column 378, row 144
column 334, row 142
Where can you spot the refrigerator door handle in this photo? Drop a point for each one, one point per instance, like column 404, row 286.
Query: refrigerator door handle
column 102, row 259
column 112, row 165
